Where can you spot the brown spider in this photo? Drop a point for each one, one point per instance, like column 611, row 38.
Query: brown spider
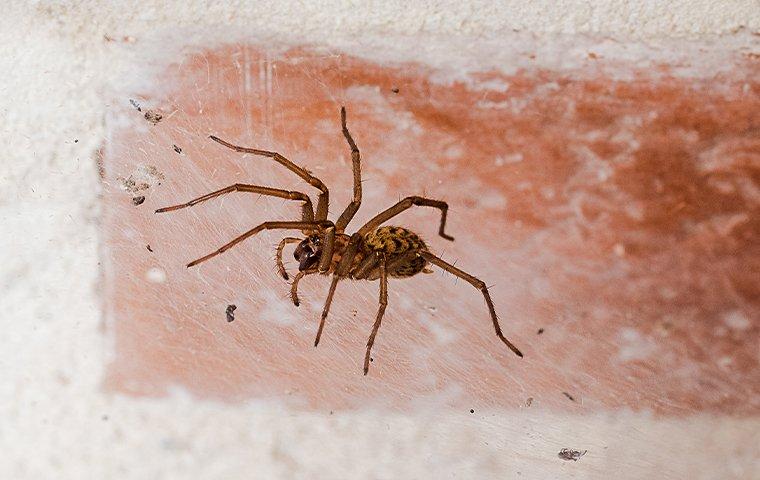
column 373, row 252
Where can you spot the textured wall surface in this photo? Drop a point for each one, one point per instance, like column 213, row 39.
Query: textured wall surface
column 601, row 161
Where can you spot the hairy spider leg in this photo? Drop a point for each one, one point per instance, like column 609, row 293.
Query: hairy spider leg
column 324, row 196
column 280, row 248
column 341, row 272
column 348, row 214
column 308, row 212
column 383, row 302
column 406, row 204
column 294, row 285
column 480, row 286
column 365, row 267
column 318, row 226
column 328, row 244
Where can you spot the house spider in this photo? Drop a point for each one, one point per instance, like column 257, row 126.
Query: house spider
column 373, row 252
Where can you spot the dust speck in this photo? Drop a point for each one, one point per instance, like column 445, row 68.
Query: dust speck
column 138, row 200
column 177, row 149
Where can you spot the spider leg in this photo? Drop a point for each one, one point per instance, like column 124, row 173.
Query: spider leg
column 308, row 212
column 340, row 272
column 326, row 308
column 280, row 248
column 380, row 312
column 352, row 207
column 406, row 204
column 328, row 244
column 477, row 284
column 294, row 285
column 324, row 196
column 264, row 226
column 365, row 267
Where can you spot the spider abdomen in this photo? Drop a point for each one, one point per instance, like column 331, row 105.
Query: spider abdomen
column 394, row 241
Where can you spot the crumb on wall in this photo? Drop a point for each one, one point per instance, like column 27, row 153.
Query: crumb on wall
column 568, row 454
column 153, row 116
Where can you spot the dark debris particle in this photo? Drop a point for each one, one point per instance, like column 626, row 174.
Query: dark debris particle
column 153, row 116
column 568, row 396
column 569, row 454
column 371, row 359
column 135, row 104
column 177, row 149
column 472, row 410
column 540, row 331
column 529, row 402
column 149, row 249
column 231, row 312
column 138, row 200
column 394, row 89
column 76, row 140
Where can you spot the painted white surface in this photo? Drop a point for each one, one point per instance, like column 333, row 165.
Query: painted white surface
column 54, row 420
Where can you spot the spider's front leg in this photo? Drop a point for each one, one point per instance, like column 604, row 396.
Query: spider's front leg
column 307, row 214
column 265, row 226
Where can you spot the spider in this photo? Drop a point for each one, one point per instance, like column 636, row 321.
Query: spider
column 374, row 252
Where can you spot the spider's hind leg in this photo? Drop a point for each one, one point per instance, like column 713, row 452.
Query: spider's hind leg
column 477, row 283
column 406, row 204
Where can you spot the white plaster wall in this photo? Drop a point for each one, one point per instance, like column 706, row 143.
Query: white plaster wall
column 54, row 420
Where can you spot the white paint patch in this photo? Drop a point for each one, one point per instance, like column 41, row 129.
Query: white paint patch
column 493, row 200
column 275, row 309
column 442, row 335
column 508, row 159
column 736, row 320
column 454, row 152
column 155, row 275
column 633, row 346
column 494, row 85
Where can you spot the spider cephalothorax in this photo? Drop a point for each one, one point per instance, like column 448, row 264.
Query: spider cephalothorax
column 374, row 252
